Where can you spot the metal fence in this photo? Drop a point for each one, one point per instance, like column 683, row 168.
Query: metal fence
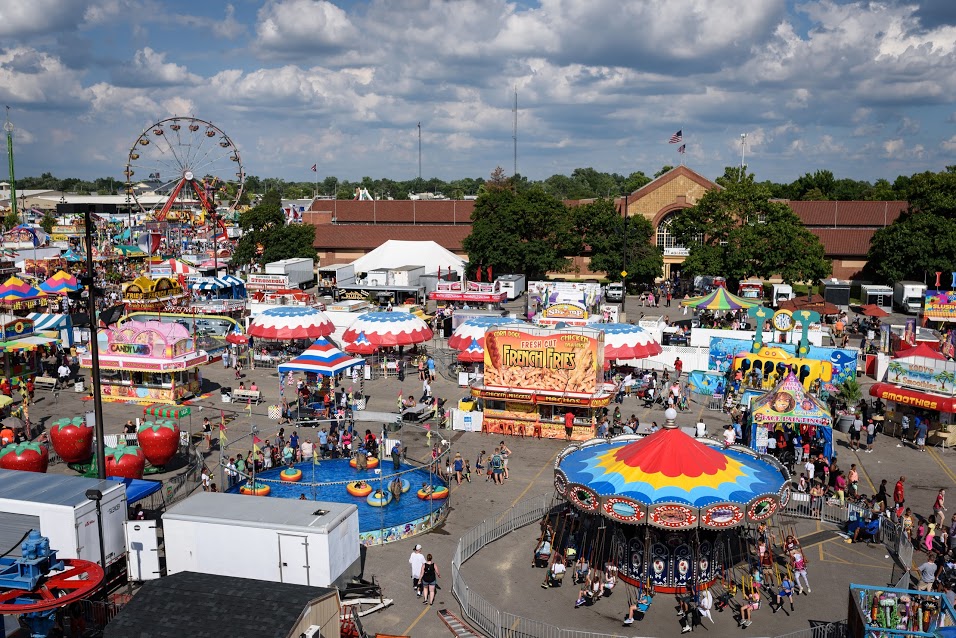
column 821, row 509
column 501, row 624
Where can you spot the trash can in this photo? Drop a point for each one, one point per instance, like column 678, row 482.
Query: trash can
column 79, row 385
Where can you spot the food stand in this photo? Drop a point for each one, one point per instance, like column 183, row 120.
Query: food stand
column 470, row 292
column 19, row 297
column 921, row 381
column 147, row 362
column 534, row 377
column 21, row 349
column 143, row 293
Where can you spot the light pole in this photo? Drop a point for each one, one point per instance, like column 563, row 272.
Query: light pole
column 96, row 496
column 743, row 150
column 8, row 127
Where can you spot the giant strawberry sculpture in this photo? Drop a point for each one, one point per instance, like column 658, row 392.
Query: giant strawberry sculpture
column 125, row 461
column 159, row 441
column 27, row 456
column 72, row 439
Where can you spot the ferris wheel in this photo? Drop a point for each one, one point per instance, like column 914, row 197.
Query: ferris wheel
column 181, row 164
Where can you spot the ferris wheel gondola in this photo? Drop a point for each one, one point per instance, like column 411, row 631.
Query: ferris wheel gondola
column 190, row 163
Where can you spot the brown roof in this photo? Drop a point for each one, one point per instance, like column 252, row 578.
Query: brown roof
column 369, row 236
column 845, row 242
column 672, row 174
column 399, row 211
column 827, row 213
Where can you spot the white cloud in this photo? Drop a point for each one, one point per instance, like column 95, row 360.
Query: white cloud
column 949, row 145
column 179, row 106
column 150, row 68
column 28, row 76
column 227, row 27
column 109, row 99
column 303, row 26
column 20, row 19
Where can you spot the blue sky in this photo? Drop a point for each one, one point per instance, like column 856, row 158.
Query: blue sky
column 864, row 89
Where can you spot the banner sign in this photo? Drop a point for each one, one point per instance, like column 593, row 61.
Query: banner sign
column 921, row 373
column 552, row 361
column 939, row 306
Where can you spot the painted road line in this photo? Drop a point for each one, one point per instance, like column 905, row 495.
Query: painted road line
column 408, row 632
column 939, row 461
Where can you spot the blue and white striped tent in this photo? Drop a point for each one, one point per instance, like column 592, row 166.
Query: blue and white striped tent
column 53, row 323
column 215, row 284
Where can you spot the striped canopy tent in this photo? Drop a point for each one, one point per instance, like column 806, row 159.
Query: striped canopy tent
column 388, row 329
column 286, row 323
column 218, row 283
column 719, row 299
column 177, row 267
column 474, row 330
column 15, row 290
column 625, row 341
column 322, row 357
column 60, row 283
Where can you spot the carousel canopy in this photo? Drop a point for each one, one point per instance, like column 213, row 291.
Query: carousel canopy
column 627, row 341
column 290, row 322
column 474, row 330
column 15, row 289
column 321, row 358
column 60, row 283
column 790, row 403
column 719, row 299
column 671, row 480
column 387, row 329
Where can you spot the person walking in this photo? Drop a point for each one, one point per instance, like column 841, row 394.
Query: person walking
column 458, row 466
column 898, row 493
column 921, row 430
column 497, row 467
column 855, row 430
column 429, row 579
column 416, row 560
column 939, row 506
column 927, row 573
column 870, row 435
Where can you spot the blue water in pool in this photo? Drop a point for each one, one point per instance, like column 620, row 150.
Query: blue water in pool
column 405, row 510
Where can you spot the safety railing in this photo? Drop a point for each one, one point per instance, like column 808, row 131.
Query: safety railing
column 496, row 623
column 803, row 505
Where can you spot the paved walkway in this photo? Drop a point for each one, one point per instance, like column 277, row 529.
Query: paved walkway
column 501, row 571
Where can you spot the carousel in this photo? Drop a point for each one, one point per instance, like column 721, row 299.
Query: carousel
column 666, row 509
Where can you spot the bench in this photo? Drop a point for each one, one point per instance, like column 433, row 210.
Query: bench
column 246, row 396
column 45, row 383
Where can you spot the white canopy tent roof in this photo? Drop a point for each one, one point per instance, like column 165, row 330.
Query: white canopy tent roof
column 396, row 254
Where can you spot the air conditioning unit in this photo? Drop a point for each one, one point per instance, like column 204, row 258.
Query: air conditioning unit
column 314, row 631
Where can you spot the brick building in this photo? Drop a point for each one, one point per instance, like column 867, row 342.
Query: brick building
column 348, row 229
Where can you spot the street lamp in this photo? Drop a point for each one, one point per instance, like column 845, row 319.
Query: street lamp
column 96, row 496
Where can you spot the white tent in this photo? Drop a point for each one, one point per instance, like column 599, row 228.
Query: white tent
column 397, row 254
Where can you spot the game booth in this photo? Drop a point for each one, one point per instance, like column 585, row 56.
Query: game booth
column 538, row 380
column 147, row 362
column 786, row 409
column 22, row 350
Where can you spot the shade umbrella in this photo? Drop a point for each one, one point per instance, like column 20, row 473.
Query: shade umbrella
column 388, row 329
column 813, row 303
column 627, row 341
column 719, row 299
column 12, row 422
column 361, row 345
column 322, row 357
column 237, row 338
column 474, row 353
column 474, row 329
column 872, row 310
column 290, row 322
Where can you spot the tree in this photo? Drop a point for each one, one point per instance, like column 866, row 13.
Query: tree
column 601, row 227
column 11, row 220
column 738, row 232
column 264, row 225
column 48, row 222
column 527, row 233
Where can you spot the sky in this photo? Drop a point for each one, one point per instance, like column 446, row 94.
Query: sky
column 864, row 89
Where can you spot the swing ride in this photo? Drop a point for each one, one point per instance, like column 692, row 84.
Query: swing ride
column 668, row 510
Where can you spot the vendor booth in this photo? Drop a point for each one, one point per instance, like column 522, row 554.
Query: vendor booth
column 22, row 350
column 541, row 381
column 922, row 382
column 147, row 362
column 19, row 297
column 787, row 409
column 472, row 293
column 143, row 293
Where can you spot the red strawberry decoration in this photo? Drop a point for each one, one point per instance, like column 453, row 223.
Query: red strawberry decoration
column 159, row 441
column 72, row 439
column 27, row 456
column 125, row 461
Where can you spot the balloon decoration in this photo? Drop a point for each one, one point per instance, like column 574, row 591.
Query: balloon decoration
column 125, row 461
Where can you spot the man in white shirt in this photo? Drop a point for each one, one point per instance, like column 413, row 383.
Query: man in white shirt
column 729, row 435
column 416, row 560
column 205, row 479
column 64, row 373
column 306, row 448
column 810, row 468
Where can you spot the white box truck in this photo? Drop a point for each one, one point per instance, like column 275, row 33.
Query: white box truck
column 908, row 296
column 274, row 539
column 300, row 271
column 513, row 285
column 57, row 505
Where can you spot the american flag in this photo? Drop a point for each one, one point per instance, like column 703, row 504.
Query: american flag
column 682, row 148
column 677, row 137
